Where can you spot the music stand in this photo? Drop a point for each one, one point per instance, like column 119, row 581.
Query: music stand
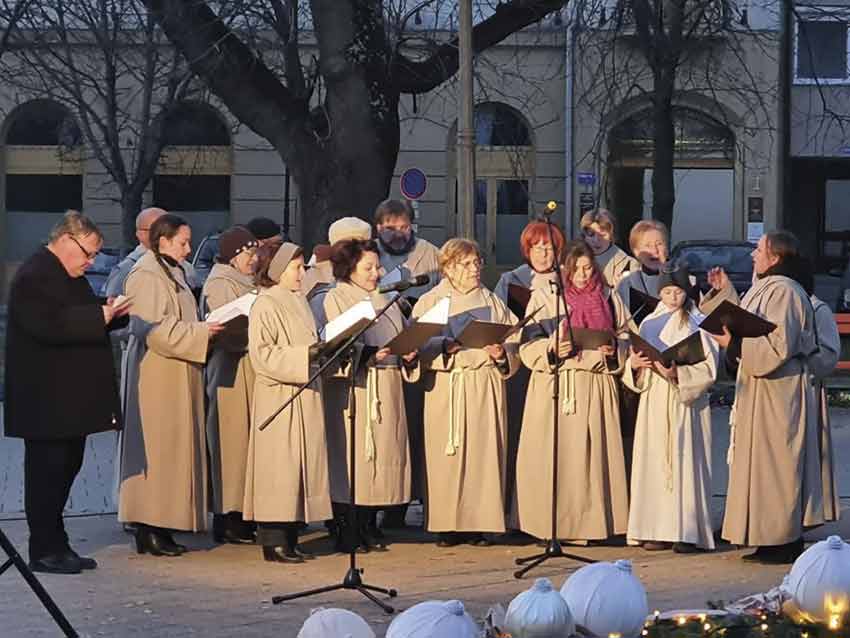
column 353, row 578
column 49, row 604
column 553, row 546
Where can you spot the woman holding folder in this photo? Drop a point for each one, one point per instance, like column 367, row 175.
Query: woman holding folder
column 465, row 411
column 592, row 496
column 230, row 383
column 286, row 481
column 671, row 474
column 383, row 456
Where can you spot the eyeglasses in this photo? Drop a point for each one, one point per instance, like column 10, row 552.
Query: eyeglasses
column 89, row 256
column 472, row 264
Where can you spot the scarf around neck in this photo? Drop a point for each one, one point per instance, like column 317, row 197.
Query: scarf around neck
column 588, row 306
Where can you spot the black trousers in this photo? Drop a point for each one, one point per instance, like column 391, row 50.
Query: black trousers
column 50, row 468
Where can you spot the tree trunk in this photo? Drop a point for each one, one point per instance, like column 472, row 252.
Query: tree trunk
column 663, row 188
column 131, row 205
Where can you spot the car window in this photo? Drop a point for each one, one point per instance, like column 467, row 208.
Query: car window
column 730, row 258
column 207, row 253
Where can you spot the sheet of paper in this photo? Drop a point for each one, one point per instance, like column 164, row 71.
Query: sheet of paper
column 362, row 310
column 236, row 308
column 438, row 314
column 120, row 301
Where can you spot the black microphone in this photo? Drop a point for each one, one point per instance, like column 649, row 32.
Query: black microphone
column 419, row 280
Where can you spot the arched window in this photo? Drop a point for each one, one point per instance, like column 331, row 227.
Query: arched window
column 499, row 125
column 193, row 177
column 44, row 174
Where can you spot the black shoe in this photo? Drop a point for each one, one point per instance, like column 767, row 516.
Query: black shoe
column 656, row 546
column 84, row 561
column 280, row 554
column 152, row 541
column 449, row 539
column 478, row 540
column 776, row 554
column 56, row 564
column 229, row 535
column 170, row 539
column 686, row 548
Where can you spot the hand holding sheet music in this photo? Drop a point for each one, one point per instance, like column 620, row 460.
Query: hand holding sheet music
column 239, row 307
column 738, row 321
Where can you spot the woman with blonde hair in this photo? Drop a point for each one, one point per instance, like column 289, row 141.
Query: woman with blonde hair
column 592, row 491
column 465, row 410
column 598, row 229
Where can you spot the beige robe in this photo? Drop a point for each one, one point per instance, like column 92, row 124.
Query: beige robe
column 615, row 264
column 465, row 418
column 592, row 489
column 775, row 486
column 821, row 364
column 229, row 383
column 423, row 259
column 517, row 385
column 287, row 474
column 383, row 471
column 671, row 472
column 163, row 455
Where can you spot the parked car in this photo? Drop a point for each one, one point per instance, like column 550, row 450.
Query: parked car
column 98, row 272
column 204, row 258
column 734, row 257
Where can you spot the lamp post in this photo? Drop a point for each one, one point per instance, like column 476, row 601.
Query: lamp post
column 465, row 130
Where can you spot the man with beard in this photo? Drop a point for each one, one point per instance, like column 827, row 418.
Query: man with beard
column 401, row 249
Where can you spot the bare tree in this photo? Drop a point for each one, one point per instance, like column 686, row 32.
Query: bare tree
column 656, row 52
column 109, row 62
column 10, row 15
column 328, row 102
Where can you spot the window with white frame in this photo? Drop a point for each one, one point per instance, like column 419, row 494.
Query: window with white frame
column 822, row 46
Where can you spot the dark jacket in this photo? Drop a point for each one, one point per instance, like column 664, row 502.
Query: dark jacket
column 60, row 375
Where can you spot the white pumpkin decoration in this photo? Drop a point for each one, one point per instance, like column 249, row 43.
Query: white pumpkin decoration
column 819, row 582
column 539, row 612
column 606, row 599
column 339, row 623
column 434, row 619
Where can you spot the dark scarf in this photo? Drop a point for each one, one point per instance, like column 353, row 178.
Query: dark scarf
column 588, row 306
column 794, row 267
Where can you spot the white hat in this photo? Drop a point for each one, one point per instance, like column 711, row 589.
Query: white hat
column 349, row 228
column 335, row 623
column 434, row 619
column 539, row 612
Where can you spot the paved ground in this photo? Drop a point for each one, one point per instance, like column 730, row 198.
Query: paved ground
column 223, row 591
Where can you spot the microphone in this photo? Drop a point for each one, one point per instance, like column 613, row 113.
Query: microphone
column 551, row 207
column 419, row 280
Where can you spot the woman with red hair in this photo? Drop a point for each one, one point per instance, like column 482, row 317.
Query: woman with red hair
column 514, row 289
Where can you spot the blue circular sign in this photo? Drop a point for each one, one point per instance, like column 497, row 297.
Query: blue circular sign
column 413, row 183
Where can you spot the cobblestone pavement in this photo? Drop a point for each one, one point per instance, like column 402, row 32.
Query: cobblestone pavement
column 220, row 591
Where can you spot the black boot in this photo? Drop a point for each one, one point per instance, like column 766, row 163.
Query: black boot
column 367, row 522
column 230, row 528
column 280, row 554
column 776, row 554
column 292, row 543
column 156, row 542
column 347, row 536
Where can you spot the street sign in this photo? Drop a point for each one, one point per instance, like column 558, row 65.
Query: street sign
column 586, row 202
column 586, row 179
column 413, row 183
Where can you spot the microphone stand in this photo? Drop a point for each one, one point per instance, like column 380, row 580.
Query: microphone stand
column 353, row 577
column 553, row 546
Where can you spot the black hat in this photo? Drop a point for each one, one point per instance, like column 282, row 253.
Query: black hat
column 233, row 241
column 263, row 227
column 676, row 275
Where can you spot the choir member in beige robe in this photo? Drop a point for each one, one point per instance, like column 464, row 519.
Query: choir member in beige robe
column 229, row 383
column 287, row 476
column 465, row 410
column 407, row 256
column 671, row 475
column 540, row 254
column 598, row 229
column 163, row 456
column 383, row 469
column 775, row 484
column 592, row 498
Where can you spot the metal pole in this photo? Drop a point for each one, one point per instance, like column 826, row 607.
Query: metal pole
column 465, row 130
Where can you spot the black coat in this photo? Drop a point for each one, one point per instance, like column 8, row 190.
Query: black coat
column 60, row 375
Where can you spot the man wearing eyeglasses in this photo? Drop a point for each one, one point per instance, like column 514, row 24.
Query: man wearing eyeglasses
column 60, row 380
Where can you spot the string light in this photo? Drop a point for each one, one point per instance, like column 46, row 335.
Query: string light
column 614, row 635
column 644, row 632
column 764, row 626
column 681, row 620
column 834, row 621
column 707, row 626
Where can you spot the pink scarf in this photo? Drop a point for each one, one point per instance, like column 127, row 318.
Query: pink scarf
column 588, row 306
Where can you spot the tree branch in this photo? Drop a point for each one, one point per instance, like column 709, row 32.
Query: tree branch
column 509, row 17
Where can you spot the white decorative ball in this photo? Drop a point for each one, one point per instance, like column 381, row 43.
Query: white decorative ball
column 323, row 623
column 539, row 612
column 819, row 581
column 434, row 619
column 607, row 599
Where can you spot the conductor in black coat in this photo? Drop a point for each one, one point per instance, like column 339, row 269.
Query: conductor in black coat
column 60, row 380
